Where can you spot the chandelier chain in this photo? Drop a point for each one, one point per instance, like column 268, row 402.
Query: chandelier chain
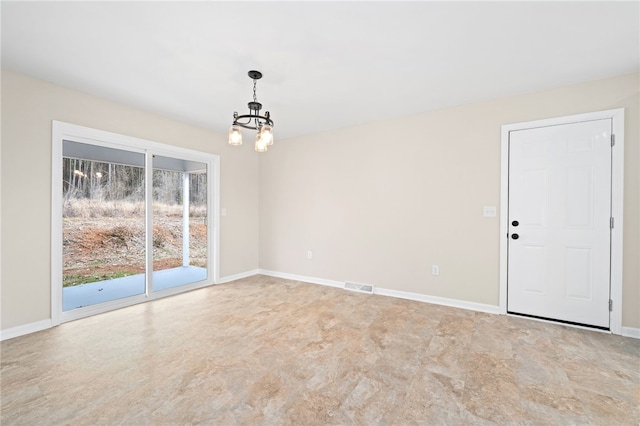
column 255, row 98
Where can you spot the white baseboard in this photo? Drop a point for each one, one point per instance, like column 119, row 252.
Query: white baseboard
column 234, row 277
column 21, row 330
column 303, row 278
column 454, row 303
column 631, row 332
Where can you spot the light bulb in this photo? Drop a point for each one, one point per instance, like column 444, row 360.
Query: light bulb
column 235, row 135
column 261, row 146
column 266, row 134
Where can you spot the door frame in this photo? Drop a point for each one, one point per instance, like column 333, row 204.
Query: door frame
column 617, row 190
column 61, row 131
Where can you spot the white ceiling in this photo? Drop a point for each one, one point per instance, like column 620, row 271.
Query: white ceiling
column 326, row 65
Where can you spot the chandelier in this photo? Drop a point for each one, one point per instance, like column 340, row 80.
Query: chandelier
column 254, row 121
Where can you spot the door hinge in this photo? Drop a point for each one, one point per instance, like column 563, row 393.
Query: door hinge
column 611, row 222
column 613, row 139
column 610, row 305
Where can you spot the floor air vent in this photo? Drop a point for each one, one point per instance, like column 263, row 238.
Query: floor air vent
column 362, row 288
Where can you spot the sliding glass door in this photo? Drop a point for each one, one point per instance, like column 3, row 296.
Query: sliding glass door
column 134, row 220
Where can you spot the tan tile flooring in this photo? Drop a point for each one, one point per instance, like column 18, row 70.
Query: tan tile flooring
column 264, row 350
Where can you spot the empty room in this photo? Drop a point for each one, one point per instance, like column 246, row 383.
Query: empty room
column 320, row 213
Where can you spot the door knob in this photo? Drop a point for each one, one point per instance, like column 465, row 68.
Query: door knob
column 515, row 236
column 515, row 223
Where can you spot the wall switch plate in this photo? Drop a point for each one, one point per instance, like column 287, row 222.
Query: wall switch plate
column 223, row 211
column 489, row 211
column 309, row 254
column 435, row 270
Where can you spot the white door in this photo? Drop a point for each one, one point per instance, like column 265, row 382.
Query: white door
column 559, row 214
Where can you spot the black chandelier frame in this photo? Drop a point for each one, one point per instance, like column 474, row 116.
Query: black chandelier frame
column 254, row 120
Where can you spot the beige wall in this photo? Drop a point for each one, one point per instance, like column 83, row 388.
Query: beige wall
column 28, row 107
column 379, row 204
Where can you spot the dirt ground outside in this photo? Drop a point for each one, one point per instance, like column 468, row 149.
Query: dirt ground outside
column 102, row 248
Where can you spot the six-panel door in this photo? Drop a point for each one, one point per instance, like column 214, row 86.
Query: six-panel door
column 559, row 222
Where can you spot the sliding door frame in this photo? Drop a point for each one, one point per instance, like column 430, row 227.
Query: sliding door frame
column 64, row 131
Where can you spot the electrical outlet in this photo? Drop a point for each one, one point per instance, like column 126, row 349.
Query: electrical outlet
column 435, row 270
column 309, row 254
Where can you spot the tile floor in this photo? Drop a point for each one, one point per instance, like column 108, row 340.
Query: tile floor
column 264, row 350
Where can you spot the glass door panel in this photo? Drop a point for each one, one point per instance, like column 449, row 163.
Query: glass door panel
column 179, row 222
column 103, row 211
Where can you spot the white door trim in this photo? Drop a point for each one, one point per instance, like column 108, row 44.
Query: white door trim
column 617, row 183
